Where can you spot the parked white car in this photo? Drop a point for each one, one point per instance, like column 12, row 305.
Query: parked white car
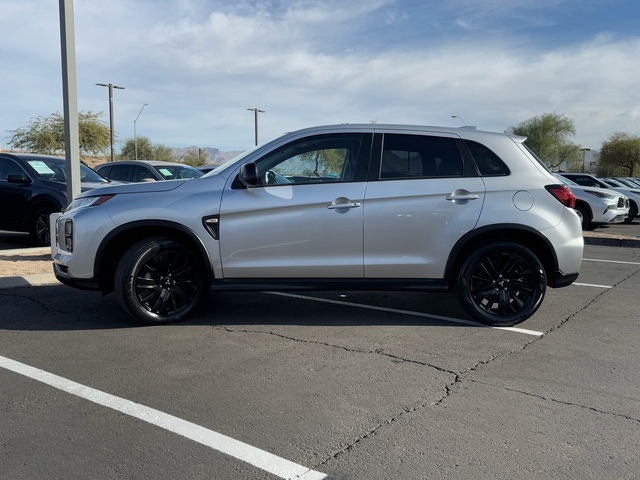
column 587, row 180
column 597, row 206
column 377, row 207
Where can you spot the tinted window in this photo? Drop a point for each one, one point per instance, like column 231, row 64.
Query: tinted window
column 488, row 163
column 120, row 173
column 418, row 156
column 9, row 167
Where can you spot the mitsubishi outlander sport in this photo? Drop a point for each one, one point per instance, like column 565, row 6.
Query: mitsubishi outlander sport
column 359, row 207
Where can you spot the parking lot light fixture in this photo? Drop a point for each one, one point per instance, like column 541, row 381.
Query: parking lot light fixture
column 111, row 86
column 459, row 118
column 256, row 111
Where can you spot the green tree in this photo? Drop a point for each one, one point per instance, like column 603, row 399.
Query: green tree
column 46, row 134
column 163, row 153
column 196, row 157
column 143, row 145
column 549, row 137
column 620, row 155
column 146, row 150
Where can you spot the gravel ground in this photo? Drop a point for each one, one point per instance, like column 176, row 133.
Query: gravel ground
column 25, row 261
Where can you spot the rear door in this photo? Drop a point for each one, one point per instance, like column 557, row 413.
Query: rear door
column 421, row 199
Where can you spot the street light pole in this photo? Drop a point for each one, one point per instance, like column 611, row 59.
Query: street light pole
column 256, row 111
column 584, row 154
column 460, row 118
column 111, row 135
column 135, row 135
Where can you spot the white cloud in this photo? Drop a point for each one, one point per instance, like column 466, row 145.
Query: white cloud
column 199, row 65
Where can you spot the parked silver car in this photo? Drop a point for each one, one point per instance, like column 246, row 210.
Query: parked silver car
column 378, row 207
column 597, row 206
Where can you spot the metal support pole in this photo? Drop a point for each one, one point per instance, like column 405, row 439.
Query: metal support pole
column 111, row 128
column 135, row 135
column 70, row 99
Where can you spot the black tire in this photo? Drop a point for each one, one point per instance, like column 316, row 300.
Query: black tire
column 501, row 284
column 160, row 280
column 633, row 211
column 39, row 225
column 585, row 216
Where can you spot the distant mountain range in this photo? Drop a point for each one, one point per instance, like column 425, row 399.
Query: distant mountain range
column 214, row 155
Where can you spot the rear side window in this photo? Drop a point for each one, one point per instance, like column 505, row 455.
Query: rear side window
column 419, row 156
column 488, row 162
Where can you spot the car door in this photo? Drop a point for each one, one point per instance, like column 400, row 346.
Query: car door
column 304, row 218
column 421, row 199
column 14, row 197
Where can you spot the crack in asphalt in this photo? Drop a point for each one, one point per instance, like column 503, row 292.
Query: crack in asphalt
column 459, row 377
column 555, row 400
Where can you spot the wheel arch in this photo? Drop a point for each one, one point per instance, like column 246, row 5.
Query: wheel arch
column 118, row 241
column 521, row 234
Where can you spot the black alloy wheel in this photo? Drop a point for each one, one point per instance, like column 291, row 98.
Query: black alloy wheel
column 501, row 284
column 160, row 280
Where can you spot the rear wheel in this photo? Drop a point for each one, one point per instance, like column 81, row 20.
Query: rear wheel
column 501, row 284
column 160, row 280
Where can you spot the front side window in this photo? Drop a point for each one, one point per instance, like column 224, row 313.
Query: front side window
column 9, row 167
column 321, row 159
column 419, row 156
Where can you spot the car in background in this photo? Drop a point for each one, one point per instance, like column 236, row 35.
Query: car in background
column 587, row 180
column 33, row 186
column 133, row 171
column 597, row 206
column 337, row 207
column 623, row 181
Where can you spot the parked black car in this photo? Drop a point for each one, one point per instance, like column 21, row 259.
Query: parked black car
column 32, row 187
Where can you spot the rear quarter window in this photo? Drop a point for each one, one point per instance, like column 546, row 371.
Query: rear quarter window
column 488, row 163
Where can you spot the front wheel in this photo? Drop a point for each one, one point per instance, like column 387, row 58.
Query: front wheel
column 39, row 228
column 501, row 284
column 160, row 280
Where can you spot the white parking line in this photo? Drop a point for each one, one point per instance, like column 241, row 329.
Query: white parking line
column 591, row 285
column 254, row 456
column 408, row 312
column 609, row 261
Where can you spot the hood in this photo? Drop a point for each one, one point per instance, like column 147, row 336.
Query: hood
column 142, row 187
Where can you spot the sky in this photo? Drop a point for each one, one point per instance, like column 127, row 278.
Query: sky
column 191, row 68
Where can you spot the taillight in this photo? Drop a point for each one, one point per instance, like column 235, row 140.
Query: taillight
column 563, row 194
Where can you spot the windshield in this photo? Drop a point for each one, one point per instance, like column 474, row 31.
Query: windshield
column 171, row 172
column 55, row 169
column 223, row 166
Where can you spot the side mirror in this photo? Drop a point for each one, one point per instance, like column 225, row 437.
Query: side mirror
column 249, row 175
column 18, row 179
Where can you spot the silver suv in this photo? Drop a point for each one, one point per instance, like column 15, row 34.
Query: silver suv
column 359, row 207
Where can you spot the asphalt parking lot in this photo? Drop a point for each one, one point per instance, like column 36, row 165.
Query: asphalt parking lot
column 373, row 385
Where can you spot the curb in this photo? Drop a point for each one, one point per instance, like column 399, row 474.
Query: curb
column 613, row 242
column 35, row 280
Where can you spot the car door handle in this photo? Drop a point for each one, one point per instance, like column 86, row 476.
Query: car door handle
column 342, row 202
column 333, row 206
column 462, row 195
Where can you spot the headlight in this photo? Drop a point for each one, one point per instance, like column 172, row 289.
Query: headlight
column 87, row 202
